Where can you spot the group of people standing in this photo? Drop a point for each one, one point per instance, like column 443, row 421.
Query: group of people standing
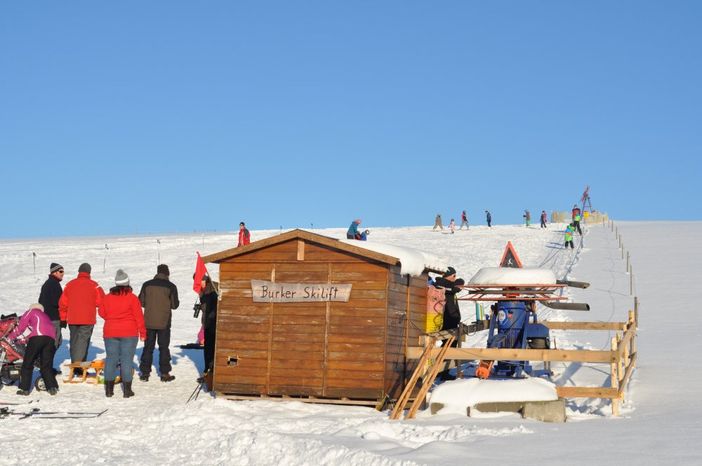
column 76, row 307
column 543, row 218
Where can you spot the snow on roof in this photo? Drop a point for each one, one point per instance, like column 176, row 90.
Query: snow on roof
column 457, row 395
column 412, row 261
column 513, row 276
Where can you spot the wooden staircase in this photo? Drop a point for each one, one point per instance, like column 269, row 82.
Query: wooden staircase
column 426, row 382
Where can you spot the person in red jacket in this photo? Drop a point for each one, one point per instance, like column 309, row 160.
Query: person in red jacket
column 78, row 308
column 124, row 325
column 244, row 235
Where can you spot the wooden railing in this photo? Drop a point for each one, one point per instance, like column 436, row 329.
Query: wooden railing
column 621, row 357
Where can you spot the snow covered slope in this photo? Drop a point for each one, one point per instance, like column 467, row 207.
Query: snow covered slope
column 660, row 422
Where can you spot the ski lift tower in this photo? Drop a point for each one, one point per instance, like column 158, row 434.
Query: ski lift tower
column 585, row 201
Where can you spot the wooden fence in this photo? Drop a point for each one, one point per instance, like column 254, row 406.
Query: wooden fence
column 621, row 357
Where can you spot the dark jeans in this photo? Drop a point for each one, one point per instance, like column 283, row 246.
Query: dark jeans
column 543, row 224
column 209, row 348
column 577, row 228
column 571, row 244
column 57, row 326
column 119, row 350
column 42, row 348
column 80, row 341
column 164, row 354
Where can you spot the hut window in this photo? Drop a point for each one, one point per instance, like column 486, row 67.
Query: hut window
column 232, row 360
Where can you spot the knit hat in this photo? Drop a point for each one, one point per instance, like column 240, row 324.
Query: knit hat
column 54, row 267
column 450, row 271
column 163, row 268
column 36, row 306
column 121, row 278
column 84, row 267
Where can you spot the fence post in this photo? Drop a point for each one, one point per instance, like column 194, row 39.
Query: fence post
column 614, row 378
column 634, row 326
column 627, row 261
column 631, row 281
column 636, row 310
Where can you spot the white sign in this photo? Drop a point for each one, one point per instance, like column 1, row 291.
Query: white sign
column 270, row 292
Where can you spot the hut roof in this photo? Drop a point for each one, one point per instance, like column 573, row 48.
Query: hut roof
column 412, row 261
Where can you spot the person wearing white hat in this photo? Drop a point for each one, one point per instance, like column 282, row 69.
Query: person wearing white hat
column 124, row 326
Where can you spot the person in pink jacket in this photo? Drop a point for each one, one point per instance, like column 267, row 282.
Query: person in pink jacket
column 37, row 329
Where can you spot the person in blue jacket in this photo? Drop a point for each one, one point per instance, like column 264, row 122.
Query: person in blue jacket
column 353, row 232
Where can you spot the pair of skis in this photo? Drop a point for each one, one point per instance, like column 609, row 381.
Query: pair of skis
column 37, row 413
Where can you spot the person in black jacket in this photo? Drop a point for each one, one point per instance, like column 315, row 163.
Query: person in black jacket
column 49, row 296
column 452, row 313
column 451, row 286
column 208, row 300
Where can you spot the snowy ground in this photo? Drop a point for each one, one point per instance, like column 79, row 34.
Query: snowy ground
column 659, row 425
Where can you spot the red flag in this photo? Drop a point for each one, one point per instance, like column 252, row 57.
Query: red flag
column 200, row 272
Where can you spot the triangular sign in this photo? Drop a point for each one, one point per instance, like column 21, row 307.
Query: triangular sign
column 510, row 257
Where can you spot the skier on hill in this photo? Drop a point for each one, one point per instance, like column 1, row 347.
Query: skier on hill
column 452, row 226
column 464, row 220
column 527, row 218
column 437, row 222
column 488, row 217
column 577, row 216
column 569, row 231
column 544, row 218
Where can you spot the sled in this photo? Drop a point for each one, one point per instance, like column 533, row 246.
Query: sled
column 92, row 371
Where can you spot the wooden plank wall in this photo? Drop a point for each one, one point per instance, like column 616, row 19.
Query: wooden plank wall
column 407, row 297
column 316, row 349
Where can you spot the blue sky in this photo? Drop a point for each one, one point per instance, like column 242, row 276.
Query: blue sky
column 174, row 116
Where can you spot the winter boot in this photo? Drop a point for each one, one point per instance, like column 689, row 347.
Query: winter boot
column 109, row 388
column 166, row 377
column 127, row 389
column 144, row 377
column 23, row 392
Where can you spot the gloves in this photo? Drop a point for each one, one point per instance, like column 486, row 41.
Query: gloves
column 63, row 324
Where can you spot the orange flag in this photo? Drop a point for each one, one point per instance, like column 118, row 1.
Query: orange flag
column 200, row 272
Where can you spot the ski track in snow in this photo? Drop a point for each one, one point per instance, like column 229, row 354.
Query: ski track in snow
column 158, row 427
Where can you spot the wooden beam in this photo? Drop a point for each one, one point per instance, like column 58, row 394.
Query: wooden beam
column 624, row 343
column 507, row 354
column 309, row 399
column 627, row 375
column 584, row 325
column 300, row 250
column 586, row 392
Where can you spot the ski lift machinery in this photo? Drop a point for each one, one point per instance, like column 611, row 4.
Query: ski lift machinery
column 515, row 292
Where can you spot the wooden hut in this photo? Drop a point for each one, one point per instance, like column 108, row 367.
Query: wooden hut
column 305, row 315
